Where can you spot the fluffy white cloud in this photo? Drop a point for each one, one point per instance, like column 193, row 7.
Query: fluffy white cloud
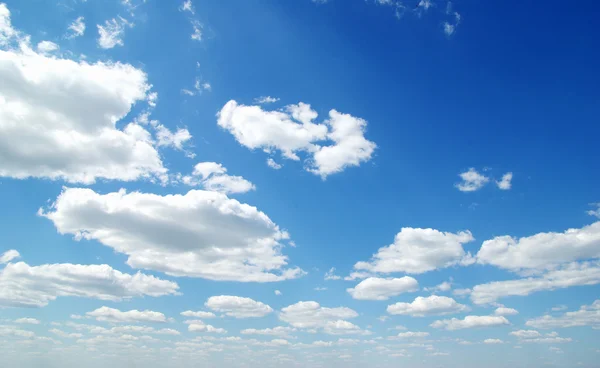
column 77, row 28
column 106, row 314
column 37, row 121
column 587, row 315
column 213, row 176
column 166, row 138
column 505, row 182
column 532, row 336
column 573, row 274
column 7, row 32
column 22, row 285
column 341, row 327
column 273, row 165
column 420, row 250
column 199, row 314
column 199, row 326
column 412, row 334
column 471, row 179
column 330, row 275
column 292, row 130
column 8, row 256
column 187, row 6
column 66, row 335
column 430, row 306
column 29, row 321
column 375, row 288
column 503, row 311
column 238, row 307
column 199, row 234
column 526, row 334
column 596, row 212
column 276, row 331
column 277, row 292
column 443, row 287
column 312, row 315
column 46, row 47
column 493, row 341
column 197, row 31
column 470, row 322
column 542, row 250
column 112, row 32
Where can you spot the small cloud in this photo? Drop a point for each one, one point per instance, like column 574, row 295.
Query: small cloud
column 274, row 165
column 197, row 33
column 320, row 288
column 595, row 212
column 330, row 275
column 266, row 99
column 187, row 6
column 277, row 292
column 505, row 183
column 45, row 47
column 449, row 29
column 471, row 181
column 111, row 33
column 77, row 28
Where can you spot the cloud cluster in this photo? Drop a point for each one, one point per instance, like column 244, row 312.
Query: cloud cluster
column 293, row 130
column 311, row 315
column 587, row 315
column 106, row 314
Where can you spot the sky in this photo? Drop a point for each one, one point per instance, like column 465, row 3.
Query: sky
column 310, row 183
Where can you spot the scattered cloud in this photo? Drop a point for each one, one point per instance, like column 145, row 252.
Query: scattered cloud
column 412, row 334
column 266, row 100
column 292, row 131
column 375, row 288
column 28, row 321
column 197, row 31
column 22, row 285
column 493, row 341
column 595, row 212
column 587, row 315
column 443, row 287
column 198, row 234
column 428, row 306
column 418, row 251
column 111, row 33
column 106, row 314
column 505, row 183
column 187, row 6
column 238, row 307
column 199, row 314
column 76, row 28
column 273, row 165
column 471, row 180
column 330, row 275
column 213, row 176
column 503, row 311
column 307, row 315
column 199, row 326
column 46, row 47
column 277, row 292
column 8, row 256
column 470, row 322
column 280, row 331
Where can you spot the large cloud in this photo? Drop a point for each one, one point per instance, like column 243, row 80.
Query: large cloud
column 543, row 250
column 238, row 307
column 199, row 234
column 418, row 251
column 292, row 130
column 22, row 285
column 428, row 306
column 374, row 288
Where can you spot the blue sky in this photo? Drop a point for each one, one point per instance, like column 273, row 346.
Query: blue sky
column 311, row 183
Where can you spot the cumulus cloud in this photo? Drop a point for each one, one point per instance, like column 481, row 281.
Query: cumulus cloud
column 587, row 315
column 238, row 307
column 443, row 287
column 493, row 341
column 106, row 314
column 503, row 311
column 198, row 234
column 273, row 165
column 375, row 288
column 167, row 138
column 28, row 321
column 199, row 326
column 22, row 285
column 266, row 99
column 420, row 250
column 412, row 334
column 595, row 212
column 77, row 28
column 505, row 182
column 280, row 331
column 213, row 176
column 187, row 6
column 471, row 180
column 470, row 322
column 341, row 327
column 35, row 114
column 428, row 306
column 310, row 315
column 532, row 336
column 292, row 131
column 277, row 292
column 46, row 47
column 542, row 250
column 8, row 256
column 199, row 314
column 330, row 275
column 573, row 274
column 111, row 33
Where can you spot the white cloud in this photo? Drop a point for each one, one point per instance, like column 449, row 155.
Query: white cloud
column 505, row 183
column 526, row 334
column 46, row 47
column 430, row 306
column 77, row 28
column 106, row 314
column 330, row 275
column 595, row 212
column 470, row 322
column 238, row 307
column 276, row 331
column 8, row 256
column 7, row 32
column 22, row 285
column 587, row 315
column 574, row 274
column 493, row 341
column 310, row 314
column 532, row 336
column 166, row 138
column 461, row 293
column 29, row 321
column 199, row 326
column 187, row 6
column 503, row 311
column 412, row 334
column 471, row 179
column 292, row 131
column 273, row 165
column 559, row 308
column 112, row 32
column 213, row 176
column 375, row 288
column 341, row 327
column 266, row 99
column 197, row 31
column 542, row 250
column 449, row 29
column 420, row 250
column 443, row 287
column 320, row 288
column 199, row 314
column 199, row 234
column 65, row 335
column 35, row 114
column 277, row 292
